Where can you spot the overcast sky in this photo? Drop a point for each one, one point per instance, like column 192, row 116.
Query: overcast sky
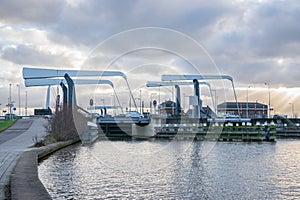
column 254, row 41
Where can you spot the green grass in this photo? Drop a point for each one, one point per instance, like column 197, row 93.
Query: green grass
column 4, row 124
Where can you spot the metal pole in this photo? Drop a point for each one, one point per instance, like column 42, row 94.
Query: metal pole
column 292, row 104
column 269, row 113
column 114, row 103
column 248, row 101
column 19, row 98
column 152, row 109
column 217, row 105
column 9, row 103
column 25, row 103
column 183, row 106
column 151, row 103
column 141, row 101
column 158, row 95
column 269, row 101
column 236, row 99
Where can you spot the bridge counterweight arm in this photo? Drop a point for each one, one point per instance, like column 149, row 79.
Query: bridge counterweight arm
column 39, row 73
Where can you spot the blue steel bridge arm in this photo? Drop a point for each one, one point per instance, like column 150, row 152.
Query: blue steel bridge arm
column 65, row 95
column 202, row 77
column 40, row 73
column 71, row 90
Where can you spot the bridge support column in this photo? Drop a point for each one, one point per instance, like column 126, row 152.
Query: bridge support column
column 178, row 109
column 198, row 107
column 70, row 90
column 65, row 95
column 47, row 105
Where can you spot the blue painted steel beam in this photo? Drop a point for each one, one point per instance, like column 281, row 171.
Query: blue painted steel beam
column 70, row 90
column 46, row 82
column 65, row 95
column 192, row 77
column 40, row 73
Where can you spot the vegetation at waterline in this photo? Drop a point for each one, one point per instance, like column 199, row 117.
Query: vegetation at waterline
column 65, row 125
column 4, row 124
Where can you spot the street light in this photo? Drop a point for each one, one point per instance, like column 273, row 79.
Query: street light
column 293, row 115
column 141, row 102
column 9, row 101
column 269, row 113
column 158, row 95
column 19, row 98
column 25, row 103
column 248, row 102
column 138, row 98
column 113, row 103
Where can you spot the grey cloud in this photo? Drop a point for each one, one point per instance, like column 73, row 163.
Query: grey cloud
column 93, row 21
column 260, row 31
column 28, row 55
column 274, row 27
column 246, row 34
column 90, row 22
column 260, row 72
column 30, row 11
column 248, row 44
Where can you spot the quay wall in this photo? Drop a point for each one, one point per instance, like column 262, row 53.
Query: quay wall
column 24, row 179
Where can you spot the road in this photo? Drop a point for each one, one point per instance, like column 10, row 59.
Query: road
column 13, row 142
column 18, row 128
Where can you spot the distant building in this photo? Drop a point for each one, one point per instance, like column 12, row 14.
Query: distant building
column 251, row 109
column 167, row 107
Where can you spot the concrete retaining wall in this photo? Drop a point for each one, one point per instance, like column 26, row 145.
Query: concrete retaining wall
column 24, row 180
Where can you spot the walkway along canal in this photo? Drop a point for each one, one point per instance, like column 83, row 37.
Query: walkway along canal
column 15, row 141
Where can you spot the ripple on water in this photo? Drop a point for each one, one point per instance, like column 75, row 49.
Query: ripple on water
column 158, row 170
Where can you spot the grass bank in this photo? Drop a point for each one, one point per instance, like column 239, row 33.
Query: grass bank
column 4, row 124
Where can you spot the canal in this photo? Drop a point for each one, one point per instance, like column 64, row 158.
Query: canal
column 161, row 169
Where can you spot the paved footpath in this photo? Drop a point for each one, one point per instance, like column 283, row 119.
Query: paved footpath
column 13, row 142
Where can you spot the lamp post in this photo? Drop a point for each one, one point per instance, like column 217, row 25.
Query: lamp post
column 25, row 103
column 19, row 99
column 9, row 102
column 248, row 101
column 141, row 102
column 113, row 103
column 269, row 113
column 158, row 95
column 217, row 102
column 293, row 115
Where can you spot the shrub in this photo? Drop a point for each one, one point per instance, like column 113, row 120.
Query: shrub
column 62, row 127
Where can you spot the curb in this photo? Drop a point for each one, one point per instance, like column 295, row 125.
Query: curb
column 24, row 179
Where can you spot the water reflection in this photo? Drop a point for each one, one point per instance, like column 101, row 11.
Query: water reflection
column 230, row 171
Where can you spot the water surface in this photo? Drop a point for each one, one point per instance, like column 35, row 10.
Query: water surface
column 160, row 169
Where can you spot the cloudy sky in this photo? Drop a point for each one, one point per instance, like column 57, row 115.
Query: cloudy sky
column 254, row 41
